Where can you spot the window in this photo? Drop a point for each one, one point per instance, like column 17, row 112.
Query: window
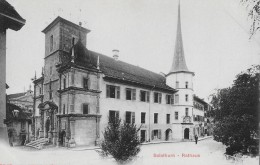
column 113, row 91
column 176, row 115
column 186, row 98
column 64, row 109
column 176, row 98
column 168, row 118
column 130, row 117
column 169, row 99
column 51, row 43
column 186, row 111
column 186, row 84
column 64, row 83
column 130, row 94
column 157, row 97
column 85, row 109
column 155, row 118
column 73, row 41
column 50, row 95
column 113, row 115
column 142, row 117
column 177, row 84
column 144, row 96
column 85, row 83
column 40, row 90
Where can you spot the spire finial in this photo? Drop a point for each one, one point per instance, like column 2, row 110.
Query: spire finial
column 35, row 76
column 98, row 64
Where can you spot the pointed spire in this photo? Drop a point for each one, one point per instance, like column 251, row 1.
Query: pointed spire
column 35, row 77
column 179, row 63
column 98, row 64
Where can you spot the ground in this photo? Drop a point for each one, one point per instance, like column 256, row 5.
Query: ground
column 209, row 151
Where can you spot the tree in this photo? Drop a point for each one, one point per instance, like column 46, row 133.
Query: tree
column 121, row 141
column 236, row 112
column 253, row 7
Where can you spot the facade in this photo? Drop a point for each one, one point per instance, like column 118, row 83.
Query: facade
column 18, row 123
column 80, row 91
column 23, row 100
column 9, row 19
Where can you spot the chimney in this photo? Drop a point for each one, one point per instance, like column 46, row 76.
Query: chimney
column 115, row 54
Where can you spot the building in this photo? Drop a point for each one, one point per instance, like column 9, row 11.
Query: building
column 18, row 123
column 9, row 19
column 80, row 91
column 23, row 100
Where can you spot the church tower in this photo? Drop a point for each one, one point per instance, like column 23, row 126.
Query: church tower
column 181, row 78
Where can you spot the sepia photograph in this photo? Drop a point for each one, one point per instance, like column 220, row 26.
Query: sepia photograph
column 129, row 82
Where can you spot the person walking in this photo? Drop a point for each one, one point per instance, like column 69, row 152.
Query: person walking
column 196, row 139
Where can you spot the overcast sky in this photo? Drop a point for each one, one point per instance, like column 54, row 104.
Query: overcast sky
column 215, row 36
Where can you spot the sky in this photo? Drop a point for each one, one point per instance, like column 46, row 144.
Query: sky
column 215, row 36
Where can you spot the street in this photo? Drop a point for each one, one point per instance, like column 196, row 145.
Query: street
column 206, row 152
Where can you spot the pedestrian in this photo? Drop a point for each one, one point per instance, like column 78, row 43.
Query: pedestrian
column 196, row 139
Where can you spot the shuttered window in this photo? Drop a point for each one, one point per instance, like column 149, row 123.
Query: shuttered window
column 157, row 97
column 130, row 94
column 113, row 115
column 113, row 91
column 130, row 117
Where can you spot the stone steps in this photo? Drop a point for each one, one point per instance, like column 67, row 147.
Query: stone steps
column 38, row 144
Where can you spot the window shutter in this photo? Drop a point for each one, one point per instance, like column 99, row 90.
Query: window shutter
column 160, row 98
column 159, row 134
column 134, row 94
column 148, row 96
column 152, row 135
column 117, row 115
column 108, row 91
column 172, row 99
column 140, row 96
column 118, row 92
column 126, row 93
column 133, row 117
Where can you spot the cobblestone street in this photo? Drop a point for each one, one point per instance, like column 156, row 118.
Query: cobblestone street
column 206, row 152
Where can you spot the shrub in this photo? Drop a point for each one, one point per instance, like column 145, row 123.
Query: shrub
column 121, row 141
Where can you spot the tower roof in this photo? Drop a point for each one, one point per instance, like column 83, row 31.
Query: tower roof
column 179, row 63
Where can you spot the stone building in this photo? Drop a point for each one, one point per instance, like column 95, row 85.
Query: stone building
column 23, row 100
column 81, row 90
column 9, row 19
column 18, row 123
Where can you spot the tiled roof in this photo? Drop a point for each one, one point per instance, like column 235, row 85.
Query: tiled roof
column 116, row 69
column 9, row 18
column 196, row 98
column 22, row 115
column 15, row 95
column 9, row 10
